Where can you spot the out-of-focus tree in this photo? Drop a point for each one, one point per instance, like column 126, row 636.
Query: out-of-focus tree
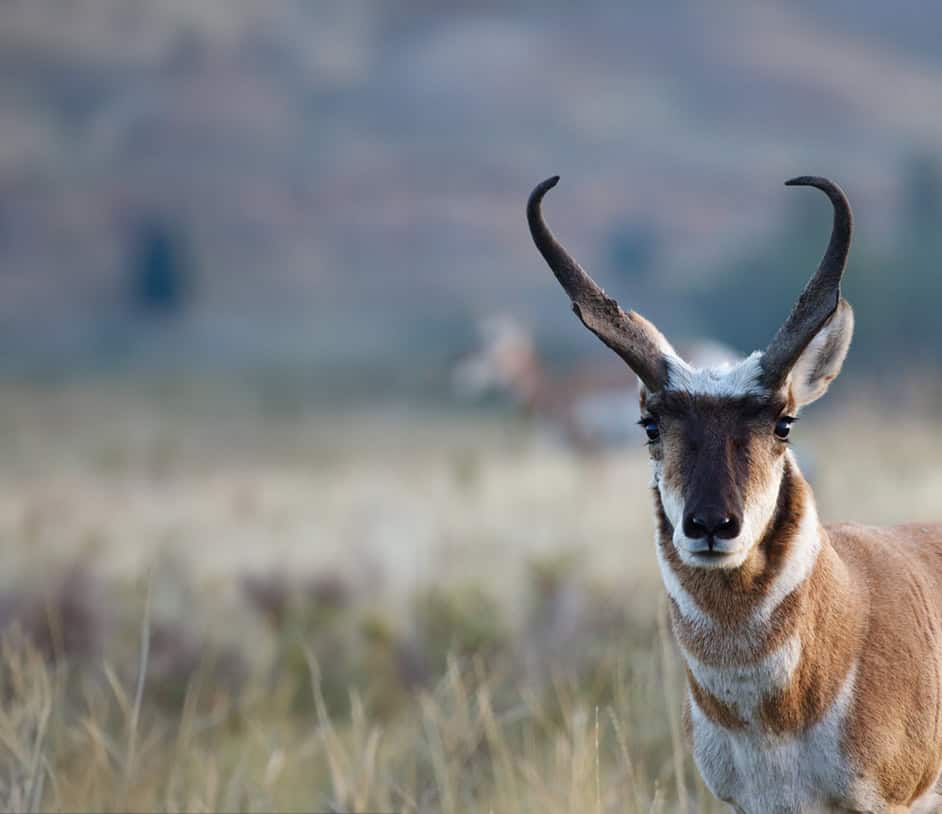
column 160, row 269
column 922, row 199
column 632, row 252
column 914, row 281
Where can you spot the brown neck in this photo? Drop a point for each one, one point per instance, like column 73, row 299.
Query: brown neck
column 793, row 595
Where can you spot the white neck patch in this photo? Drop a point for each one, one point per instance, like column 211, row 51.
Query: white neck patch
column 745, row 686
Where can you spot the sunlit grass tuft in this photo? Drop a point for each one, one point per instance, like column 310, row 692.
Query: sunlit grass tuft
column 480, row 734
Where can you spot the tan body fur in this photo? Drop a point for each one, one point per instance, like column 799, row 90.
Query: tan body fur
column 898, row 738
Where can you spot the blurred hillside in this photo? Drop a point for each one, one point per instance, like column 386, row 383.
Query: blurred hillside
column 340, row 184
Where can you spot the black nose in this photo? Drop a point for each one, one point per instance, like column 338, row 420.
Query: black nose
column 711, row 523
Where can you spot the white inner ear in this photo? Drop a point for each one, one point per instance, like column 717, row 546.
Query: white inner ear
column 821, row 361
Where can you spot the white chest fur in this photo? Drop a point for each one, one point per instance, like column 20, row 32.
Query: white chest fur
column 761, row 773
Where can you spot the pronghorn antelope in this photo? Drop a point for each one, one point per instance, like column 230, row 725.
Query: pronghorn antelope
column 590, row 408
column 813, row 653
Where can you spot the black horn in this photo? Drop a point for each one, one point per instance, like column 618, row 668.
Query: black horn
column 629, row 334
column 821, row 295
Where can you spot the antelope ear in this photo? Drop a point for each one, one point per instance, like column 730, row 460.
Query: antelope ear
column 821, row 360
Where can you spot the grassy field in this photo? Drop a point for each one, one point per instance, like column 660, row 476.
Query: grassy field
column 211, row 602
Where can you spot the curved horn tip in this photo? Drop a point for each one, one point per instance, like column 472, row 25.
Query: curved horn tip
column 810, row 181
column 827, row 186
column 544, row 186
column 799, row 181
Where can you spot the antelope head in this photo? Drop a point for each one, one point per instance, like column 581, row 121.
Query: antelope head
column 718, row 437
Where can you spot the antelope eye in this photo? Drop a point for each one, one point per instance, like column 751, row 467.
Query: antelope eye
column 782, row 427
column 651, row 429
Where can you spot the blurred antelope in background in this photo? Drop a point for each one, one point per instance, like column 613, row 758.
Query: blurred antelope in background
column 590, row 407
column 813, row 652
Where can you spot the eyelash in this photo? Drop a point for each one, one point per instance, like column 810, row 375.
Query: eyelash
column 789, row 420
column 649, row 424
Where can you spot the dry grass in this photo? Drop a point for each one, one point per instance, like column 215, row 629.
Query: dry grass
column 209, row 608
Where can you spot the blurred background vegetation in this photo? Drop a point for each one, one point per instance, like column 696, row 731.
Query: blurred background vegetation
column 258, row 555
column 339, row 185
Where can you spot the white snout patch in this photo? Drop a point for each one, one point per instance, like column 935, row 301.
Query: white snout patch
column 757, row 514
